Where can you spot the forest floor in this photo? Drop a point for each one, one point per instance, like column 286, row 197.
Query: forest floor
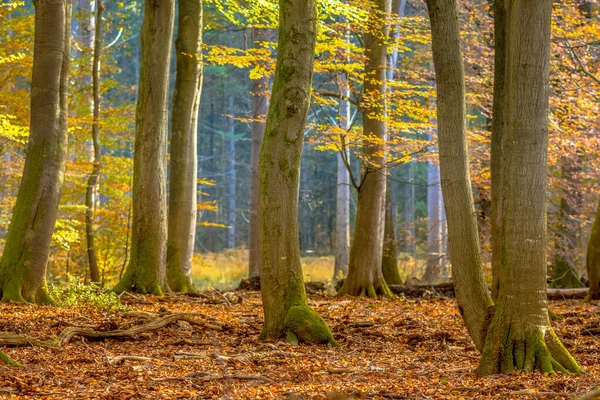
column 400, row 349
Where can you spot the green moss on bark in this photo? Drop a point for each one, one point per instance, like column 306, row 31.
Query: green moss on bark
column 308, row 326
column 369, row 291
column 7, row 360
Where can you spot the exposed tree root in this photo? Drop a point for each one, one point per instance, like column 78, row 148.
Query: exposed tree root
column 506, row 351
column 366, row 291
column 303, row 324
column 5, row 359
column 13, row 339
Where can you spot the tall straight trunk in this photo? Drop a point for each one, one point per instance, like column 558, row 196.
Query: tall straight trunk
column 390, row 252
column 365, row 276
column 260, row 104
column 496, row 146
column 471, row 290
column 92, row 183
column 282, row 287
column 520, row 336
column 410, row 231
column 593, row 259
column 433, row 269
column 25, row 256
column 231, row 174
column 389, row 263
column 145, row 272
column 184, row 156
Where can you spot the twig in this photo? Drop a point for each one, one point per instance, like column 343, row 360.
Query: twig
column 222, row 295
column 116, row 360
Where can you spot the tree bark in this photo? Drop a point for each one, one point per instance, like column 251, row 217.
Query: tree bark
column 184, row 157
column 389, row 264
column 92, row 183
column 23, row 263
column 282, row 286
column 145, row 272
column 433, row 269
column 231, row 175
column 260, row 104
column 471, row 290
column 593, row 259
column 520, row 336
column 365, row 276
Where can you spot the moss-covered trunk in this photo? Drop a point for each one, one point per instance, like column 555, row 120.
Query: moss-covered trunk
column 145, row 272
column 389, row 263
column 282, row 286
column 23, row 263
column 365, row 276
column 184, row 156
column 593, row 259
column 520, row 335
column 92, row 183
column 470, row 288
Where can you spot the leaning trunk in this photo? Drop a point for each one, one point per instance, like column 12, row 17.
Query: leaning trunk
column 282, row 286
column 520, row 336
column 145, row 272
column 365, row 276
column 593, row 259
column 470, row 288
column 184, row 156
column 23, row 263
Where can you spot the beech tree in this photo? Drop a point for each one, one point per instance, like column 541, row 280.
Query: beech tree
column 593, row 259
column 365, row 276
column 145, row 272
column 282, row 286
column 184, row 155
column 25, row 256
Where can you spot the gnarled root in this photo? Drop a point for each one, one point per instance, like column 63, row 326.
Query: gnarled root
column 306, row 325
column 366, row 291
column 539, row 348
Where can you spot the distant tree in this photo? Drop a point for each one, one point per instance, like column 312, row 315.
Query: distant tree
column 365, row 276
column 184, row 156
column 389, row 263
column 593, row 259
column 520, row 336
column 282, row 286
column 145, row 272
column 25, row 256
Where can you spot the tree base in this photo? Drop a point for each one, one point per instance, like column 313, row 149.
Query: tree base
column 366, row 291
column 539, row 349
column 182, row 285
column 130, row 283
column 13, row 291
column 304, row 324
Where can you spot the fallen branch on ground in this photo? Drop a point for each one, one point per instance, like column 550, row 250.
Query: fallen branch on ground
column 205, row 377
column 14, row 339
column 594, row 394
column 116, row 360
column 567, row 294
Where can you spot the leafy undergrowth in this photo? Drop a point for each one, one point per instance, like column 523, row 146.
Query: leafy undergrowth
column 389, row 349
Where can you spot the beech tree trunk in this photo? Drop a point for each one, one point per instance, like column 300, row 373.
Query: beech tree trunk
column 184, row 156
column 25, row 256
column 282, row 285
column 520, row 336
column 231, row 175
column 593, row 259
column 470, row 288
column 433, row 269
column 92, row 183
column 389, row 264
column 145, row 272
column 365, row 276
column 260, row 104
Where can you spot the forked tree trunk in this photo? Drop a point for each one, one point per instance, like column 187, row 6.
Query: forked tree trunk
column 593, row 259
column 520, row 336
column 92, row 183
column 23, row 263
column 282, row 286
column 184, row 156
column 365, row 276
column 145, row 272
column 389, row 263
column 470, row 288
column 260, row 104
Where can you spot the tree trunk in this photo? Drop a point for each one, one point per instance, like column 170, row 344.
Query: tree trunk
column 365, row 276
column 434, row 225
column 231, row 173
column 593, row 259
column 92, row 183
column 282, row 286
column 471, row 290
column 145, row 272
column 23, row 263
column 520, row 336
column 389, row 264
column 184, row 157
column 260, row 105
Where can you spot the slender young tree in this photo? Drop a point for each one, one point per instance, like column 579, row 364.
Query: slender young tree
column 593, row 259
column 282, row 286
column 25, row 256
column 471, row 290
column 260, row 104
column 184, row 157
column 145, row 272
column 365, row 276
column 92, row 183
column 520, row 336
